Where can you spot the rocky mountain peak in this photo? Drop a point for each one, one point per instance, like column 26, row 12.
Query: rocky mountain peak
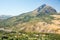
column 45, row 9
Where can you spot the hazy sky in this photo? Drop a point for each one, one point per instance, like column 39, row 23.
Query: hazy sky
column 16, row 7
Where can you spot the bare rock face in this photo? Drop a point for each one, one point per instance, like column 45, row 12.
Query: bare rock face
column 45, row 9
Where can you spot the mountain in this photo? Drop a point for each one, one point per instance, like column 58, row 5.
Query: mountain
column 5, row 16
column 44, row 19
column 45, row 9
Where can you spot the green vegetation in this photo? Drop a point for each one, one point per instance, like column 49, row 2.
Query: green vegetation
column 29, row 36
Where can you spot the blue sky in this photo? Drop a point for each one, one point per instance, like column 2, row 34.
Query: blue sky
column 16, row 7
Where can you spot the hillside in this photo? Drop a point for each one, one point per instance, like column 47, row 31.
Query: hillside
column 44, row 19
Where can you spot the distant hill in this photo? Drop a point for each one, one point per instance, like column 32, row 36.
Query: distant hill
column 5, row 16
column 43, row 19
